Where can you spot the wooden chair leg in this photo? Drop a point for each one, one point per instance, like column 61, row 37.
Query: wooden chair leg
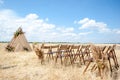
column 86, row 67
column 99, row 70
column 56, row 58
column 83, row 58
column 52, row 56
column 115, row 63
column 80, row 59
column 65, row 60
column 47, row 56
column 110, row 65
column 70, row 57
column 74, row 59
column 115, row 59
column 93, row 67
column 61, row 60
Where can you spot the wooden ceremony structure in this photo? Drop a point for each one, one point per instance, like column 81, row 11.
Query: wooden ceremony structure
column 18, row 42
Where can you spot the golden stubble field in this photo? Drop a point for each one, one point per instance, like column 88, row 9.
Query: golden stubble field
column 26, row 66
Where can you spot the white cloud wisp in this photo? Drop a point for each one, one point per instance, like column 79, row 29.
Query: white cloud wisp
column 87, row 23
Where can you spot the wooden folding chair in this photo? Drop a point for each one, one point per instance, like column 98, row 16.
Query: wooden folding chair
column 76, row 52
column 86, row 53
column 114, row 57
column 63, row 51
column 111, row 55
column 109, row 51
column 47, row 50
column 101, row 51
column 68, row 55
column 108, row 54
column 54, row 50
column 99, row 62
column 102, row 57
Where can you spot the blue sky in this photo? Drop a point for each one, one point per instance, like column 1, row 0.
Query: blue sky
column 95, row 21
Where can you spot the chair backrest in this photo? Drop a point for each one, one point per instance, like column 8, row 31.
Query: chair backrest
column 86, row 49
column 103, row 48
column 46, row 48
column 75, row 46
column 96, row 52
column 80, row 48
column 111, row 51
column 106, row 49
column 64, row 47
column 54, row 48
column 75, row 49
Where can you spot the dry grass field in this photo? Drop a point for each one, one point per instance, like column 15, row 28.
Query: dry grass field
column 26, row 66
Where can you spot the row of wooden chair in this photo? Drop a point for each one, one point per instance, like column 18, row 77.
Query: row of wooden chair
column 82, row 54
column 66, row 53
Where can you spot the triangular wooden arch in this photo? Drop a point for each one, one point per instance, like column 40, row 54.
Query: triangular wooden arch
column 18, row 42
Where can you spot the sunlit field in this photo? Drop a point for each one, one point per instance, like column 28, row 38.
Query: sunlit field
column 27, row 66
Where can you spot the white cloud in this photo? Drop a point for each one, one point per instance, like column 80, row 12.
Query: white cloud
column 85, row 20
column 87, row 23
column 32, row 16
column 85, row 33
column 70, row 34
column 31, row 24
column 117, row 31
column 65, row 30
column 95, row 31
column 35, row 28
